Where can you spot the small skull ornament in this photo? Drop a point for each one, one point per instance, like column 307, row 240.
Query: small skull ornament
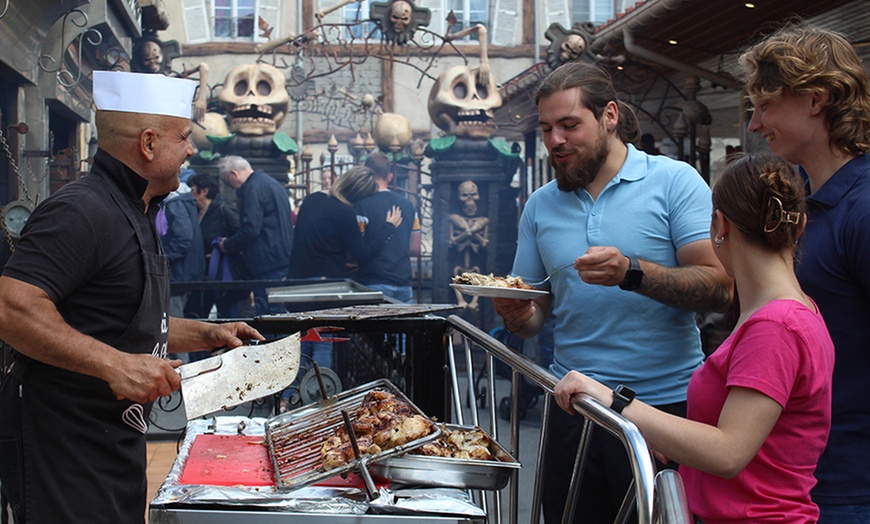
column 461, row 104
column 400, row 15
column 572, row 47
column 468, row 197
column 255, row 99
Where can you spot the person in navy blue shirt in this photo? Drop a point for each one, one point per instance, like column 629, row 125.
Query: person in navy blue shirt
column 389, row 270
column 812, row 105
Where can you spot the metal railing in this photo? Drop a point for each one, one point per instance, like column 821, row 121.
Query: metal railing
column 658, row 499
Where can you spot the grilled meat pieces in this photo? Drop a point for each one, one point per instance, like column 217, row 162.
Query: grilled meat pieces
column 381, row 422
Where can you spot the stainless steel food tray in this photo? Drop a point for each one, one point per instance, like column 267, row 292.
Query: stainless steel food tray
column 295, row 438
column 423, row 470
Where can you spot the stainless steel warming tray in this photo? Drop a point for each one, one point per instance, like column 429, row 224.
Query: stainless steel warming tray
column 295, row 438
column 420, row 470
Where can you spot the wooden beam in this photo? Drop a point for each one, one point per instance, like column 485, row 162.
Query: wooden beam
column 387, row 85
column 528, row 35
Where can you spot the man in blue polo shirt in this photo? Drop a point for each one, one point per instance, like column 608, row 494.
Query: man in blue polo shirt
column 637, row 229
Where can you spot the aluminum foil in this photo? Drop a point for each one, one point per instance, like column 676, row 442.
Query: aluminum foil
column 311, row 499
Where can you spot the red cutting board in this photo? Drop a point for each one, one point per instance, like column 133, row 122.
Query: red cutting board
column 228, row 460
column 233, row 460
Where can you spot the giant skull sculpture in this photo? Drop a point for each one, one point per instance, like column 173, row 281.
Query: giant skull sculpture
column 255, row 98
column 461, row 102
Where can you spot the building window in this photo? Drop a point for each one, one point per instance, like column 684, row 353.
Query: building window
column 353, row 14
column 234, row 19
column 595, row 11
column 468, row 13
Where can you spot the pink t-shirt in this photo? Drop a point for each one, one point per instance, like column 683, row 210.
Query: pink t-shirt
column 783, row 351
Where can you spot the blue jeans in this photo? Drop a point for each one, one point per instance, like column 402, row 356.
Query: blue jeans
column 846, row 514
column 403, row 294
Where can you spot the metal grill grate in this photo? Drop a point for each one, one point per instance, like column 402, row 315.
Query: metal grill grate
column 295, row 438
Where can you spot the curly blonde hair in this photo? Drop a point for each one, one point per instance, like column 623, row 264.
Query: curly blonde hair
column 806, row 60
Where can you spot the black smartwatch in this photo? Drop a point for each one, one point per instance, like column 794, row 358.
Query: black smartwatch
column 622, row 396
column 634, row 275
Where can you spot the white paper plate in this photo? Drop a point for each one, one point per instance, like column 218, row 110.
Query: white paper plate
column 499, row 292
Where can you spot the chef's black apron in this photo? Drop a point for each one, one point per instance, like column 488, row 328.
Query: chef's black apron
column 84, row 450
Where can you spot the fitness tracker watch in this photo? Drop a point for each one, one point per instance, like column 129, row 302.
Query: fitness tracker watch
column 622, row 396
column 633, row 277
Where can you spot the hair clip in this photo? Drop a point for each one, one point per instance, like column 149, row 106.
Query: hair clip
column 780, row 216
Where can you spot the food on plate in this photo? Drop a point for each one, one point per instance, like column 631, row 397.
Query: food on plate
column 478, row 279
column 461, row 443
column 382, row 422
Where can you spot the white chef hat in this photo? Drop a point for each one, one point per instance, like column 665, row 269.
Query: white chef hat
column 147, row 93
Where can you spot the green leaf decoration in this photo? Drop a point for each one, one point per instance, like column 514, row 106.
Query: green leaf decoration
column 285, row 143
column 502, row 147
column 439, row 145
column 217, row 140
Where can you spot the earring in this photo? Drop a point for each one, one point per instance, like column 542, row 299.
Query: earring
column 719, row 241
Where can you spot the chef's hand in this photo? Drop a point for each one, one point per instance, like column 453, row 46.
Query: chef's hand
column 604, row 266
column 231, row 335
column 142, row 377
column 575, row 383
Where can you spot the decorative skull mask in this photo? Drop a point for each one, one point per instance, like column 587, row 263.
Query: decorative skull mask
column 152, row 57
column 255, row 98
column 461, row 104
column 572, row 47
column 400, row 15
column 468, row 197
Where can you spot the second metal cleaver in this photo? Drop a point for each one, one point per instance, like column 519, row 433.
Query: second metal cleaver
column 240, row 375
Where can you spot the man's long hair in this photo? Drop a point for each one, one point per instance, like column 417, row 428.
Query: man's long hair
column 596, row 91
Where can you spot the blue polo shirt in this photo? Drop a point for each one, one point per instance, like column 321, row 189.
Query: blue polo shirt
column 833, row 269
column 652, row 207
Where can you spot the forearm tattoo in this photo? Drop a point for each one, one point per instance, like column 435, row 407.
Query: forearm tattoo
column 694, row 288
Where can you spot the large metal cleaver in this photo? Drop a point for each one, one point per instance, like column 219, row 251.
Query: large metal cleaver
column 238, row 376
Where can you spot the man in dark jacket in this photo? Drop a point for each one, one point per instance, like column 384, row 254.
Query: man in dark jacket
column 265, row 236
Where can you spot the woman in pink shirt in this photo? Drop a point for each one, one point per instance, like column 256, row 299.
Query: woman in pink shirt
column 759, row 408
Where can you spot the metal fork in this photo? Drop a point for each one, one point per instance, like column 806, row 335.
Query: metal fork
column 542, row 282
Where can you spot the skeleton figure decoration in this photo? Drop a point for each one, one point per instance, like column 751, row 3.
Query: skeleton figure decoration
column 255, row 99
column 399, row 19
column 463, row 98
column 469, row 234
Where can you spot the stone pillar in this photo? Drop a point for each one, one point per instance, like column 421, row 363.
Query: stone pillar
column 471, row 186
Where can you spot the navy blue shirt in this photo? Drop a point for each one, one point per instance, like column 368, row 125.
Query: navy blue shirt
column 391, row 264
column 833, row 269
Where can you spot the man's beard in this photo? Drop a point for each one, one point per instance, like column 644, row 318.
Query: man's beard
column 576, row 176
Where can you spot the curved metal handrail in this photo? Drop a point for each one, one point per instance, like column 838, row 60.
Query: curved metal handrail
column 640, row 457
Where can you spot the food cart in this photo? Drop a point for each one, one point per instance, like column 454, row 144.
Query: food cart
column 427, row 372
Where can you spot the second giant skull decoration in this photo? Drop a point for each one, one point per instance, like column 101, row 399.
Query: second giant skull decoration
column 462, row 103
column 255, row 99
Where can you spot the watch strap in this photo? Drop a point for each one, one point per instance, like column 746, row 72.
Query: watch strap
column 622, row 396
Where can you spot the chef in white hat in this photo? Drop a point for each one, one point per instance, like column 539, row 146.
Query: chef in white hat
column 84, row 302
